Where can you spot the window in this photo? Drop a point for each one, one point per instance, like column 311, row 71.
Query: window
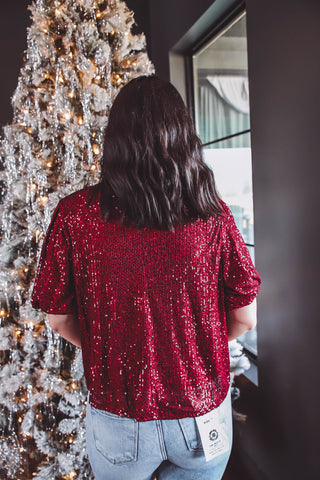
column 221, row 95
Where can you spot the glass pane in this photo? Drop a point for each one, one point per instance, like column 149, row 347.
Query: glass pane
column 233, row 174
column 222, row 109
column 232, row 170
column 221, row 86
column 249, row 341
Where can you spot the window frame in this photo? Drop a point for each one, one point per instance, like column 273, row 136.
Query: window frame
column 214, row 22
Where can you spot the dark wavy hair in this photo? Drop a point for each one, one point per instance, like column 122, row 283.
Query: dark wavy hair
column 152, row 166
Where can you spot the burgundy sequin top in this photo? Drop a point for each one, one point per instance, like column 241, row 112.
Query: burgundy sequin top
column 151, row 305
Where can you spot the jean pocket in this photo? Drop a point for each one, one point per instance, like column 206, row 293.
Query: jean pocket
column 116, row 438
column 191, row 434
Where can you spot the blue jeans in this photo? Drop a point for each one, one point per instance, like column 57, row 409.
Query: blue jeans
column 122, row 448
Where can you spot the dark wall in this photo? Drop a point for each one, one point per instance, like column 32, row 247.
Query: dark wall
column 169, row 21
column 284, row 72
column 141, row 15
column 14, row 19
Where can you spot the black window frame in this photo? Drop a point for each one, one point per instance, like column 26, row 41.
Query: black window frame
column 216, row 19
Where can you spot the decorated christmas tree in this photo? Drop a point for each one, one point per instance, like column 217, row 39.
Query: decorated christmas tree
column 80, row 52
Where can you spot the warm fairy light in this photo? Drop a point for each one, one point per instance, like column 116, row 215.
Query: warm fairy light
column 26, row 269
column 19, row 287
column 71, row 94
column 70, row 439
column 29, row 130
column 95, row 149
column 98, row 77
column 80, row 121
column 39, row 234
column 21, row 449
column 94, row 134
column 2, row 312
column 71, row 55
column 49, row 164
column 43, row 199
column 98, row 14
column 73, row 385
column 21, row 369
column 61, row 79
column 20, row 419
column 67, row 116
column 50, row 108
column 116, row 79
column 93, row 168
column 112, row 33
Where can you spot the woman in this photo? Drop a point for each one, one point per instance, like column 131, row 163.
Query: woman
column 147, row 272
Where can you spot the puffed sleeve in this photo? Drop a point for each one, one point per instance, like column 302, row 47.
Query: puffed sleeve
column 240, row 277
column 53, row 290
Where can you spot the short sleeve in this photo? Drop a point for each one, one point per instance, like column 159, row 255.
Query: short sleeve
column 240, row 277
column 53, row 289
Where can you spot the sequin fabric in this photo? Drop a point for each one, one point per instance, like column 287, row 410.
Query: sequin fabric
column 151, row 305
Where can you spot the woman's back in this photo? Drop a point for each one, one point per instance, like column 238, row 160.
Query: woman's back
column 151, row 305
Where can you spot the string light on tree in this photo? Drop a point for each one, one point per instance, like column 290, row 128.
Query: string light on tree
column 95, row 149
column 70, row 476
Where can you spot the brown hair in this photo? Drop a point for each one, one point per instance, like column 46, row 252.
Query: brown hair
column 152, row 161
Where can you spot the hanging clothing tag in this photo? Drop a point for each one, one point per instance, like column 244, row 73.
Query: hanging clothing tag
column 214, row 439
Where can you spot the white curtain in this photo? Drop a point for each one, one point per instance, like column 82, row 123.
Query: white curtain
column 224, row 110
column 233, row 89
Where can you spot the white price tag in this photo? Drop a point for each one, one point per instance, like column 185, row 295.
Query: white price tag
column 213, row 436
